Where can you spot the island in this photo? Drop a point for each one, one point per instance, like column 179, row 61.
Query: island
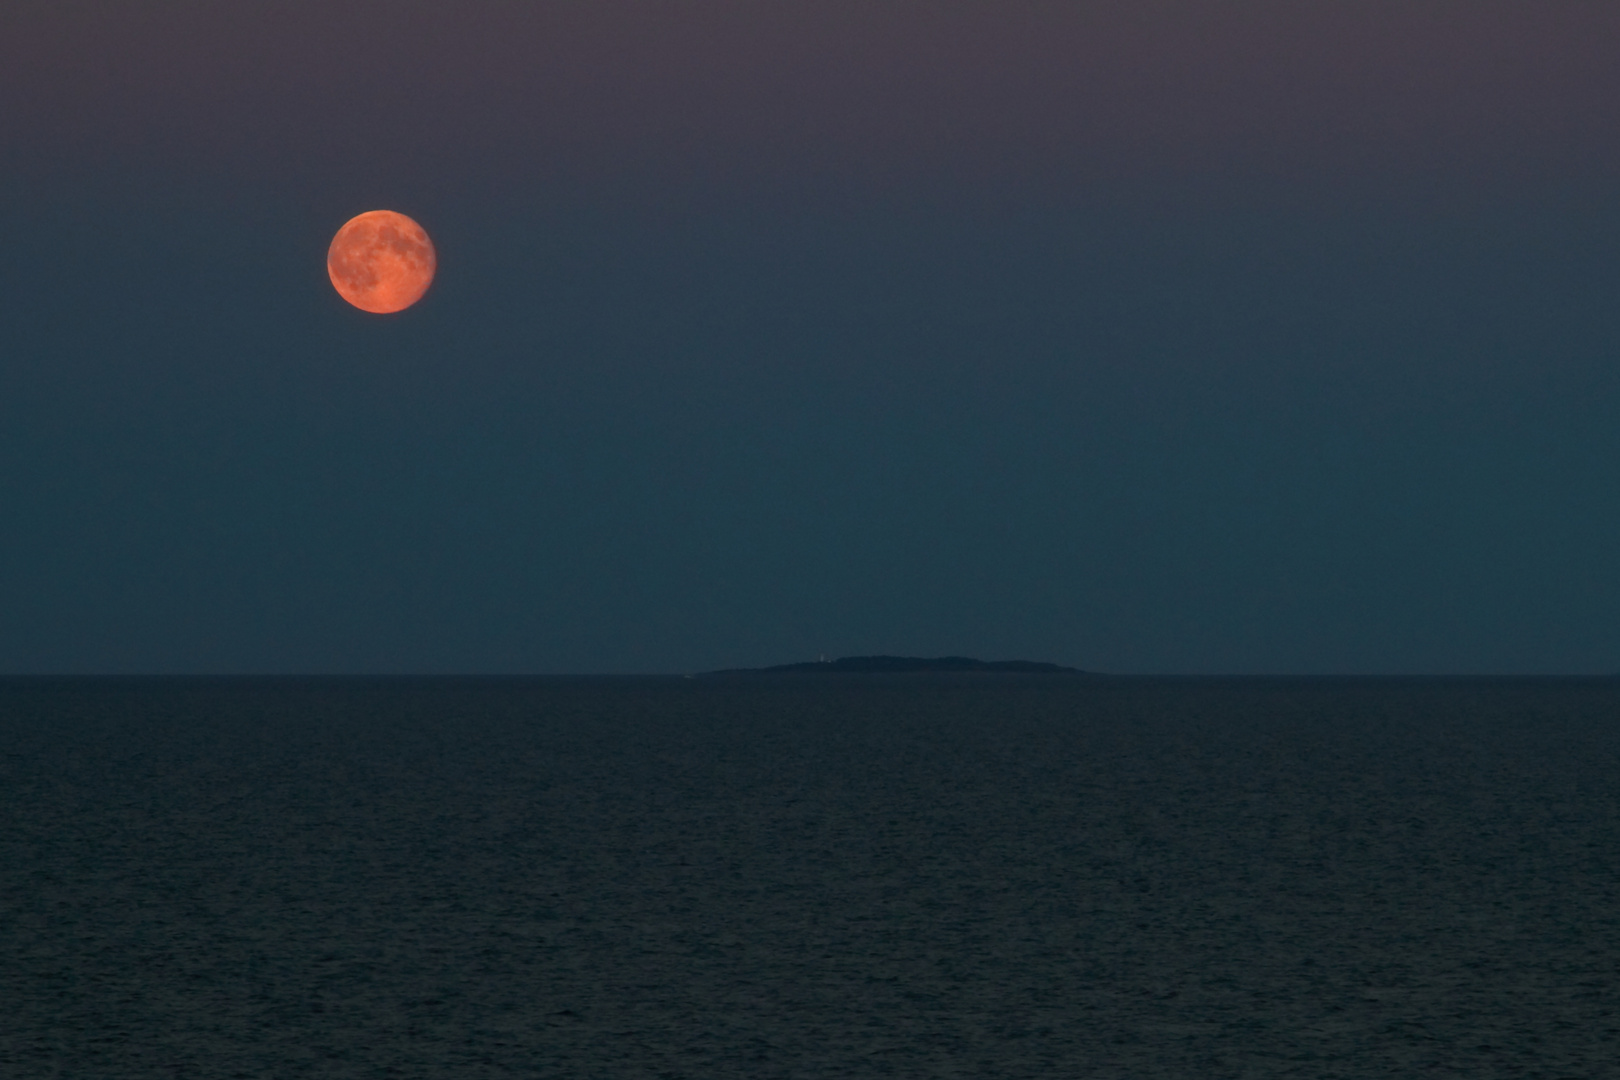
column 891, row 665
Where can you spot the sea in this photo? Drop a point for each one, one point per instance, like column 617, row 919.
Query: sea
column 809, row 876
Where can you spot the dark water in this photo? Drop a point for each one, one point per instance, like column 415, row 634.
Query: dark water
column 882, row 876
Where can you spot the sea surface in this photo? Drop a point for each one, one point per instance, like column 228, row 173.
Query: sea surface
column 810, row 876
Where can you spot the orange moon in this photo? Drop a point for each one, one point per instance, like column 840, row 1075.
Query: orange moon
column 381, row 261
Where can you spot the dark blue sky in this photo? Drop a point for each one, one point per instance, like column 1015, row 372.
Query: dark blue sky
column 1142, row 337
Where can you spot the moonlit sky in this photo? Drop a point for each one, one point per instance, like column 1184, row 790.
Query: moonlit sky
column 1145, row 337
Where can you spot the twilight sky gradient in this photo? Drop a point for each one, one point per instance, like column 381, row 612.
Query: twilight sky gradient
column 1142, row 336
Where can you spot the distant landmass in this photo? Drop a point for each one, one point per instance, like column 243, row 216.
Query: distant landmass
column 888, row 665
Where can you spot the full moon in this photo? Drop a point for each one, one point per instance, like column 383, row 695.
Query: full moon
column 381, row 261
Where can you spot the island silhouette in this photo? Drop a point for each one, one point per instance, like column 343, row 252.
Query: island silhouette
column 887, row 665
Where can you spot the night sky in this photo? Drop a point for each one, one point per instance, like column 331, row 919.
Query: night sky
column 1143, row 337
